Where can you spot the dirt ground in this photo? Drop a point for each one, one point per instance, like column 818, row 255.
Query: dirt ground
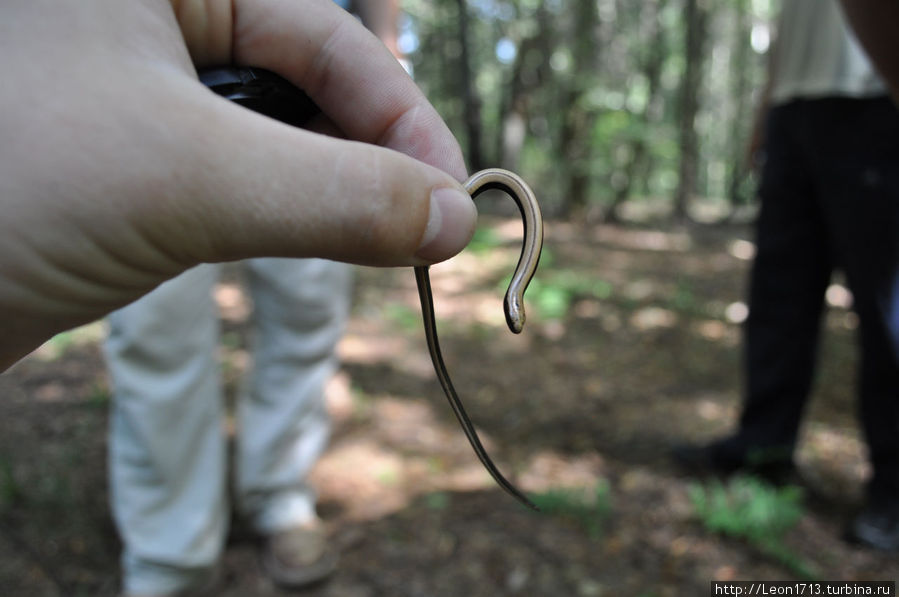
column 632, row 346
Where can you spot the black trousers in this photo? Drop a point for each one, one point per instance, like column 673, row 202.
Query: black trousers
column 829, row 199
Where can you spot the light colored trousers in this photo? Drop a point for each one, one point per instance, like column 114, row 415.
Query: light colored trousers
column 168, row 458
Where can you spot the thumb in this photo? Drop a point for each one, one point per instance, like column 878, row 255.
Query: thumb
column 268, row 189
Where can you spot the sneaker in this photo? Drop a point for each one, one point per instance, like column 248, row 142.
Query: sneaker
column 299, row 557
column 206, row 587
column 726, row 457
column 877, row 526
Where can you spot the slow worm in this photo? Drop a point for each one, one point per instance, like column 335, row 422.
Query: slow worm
column 264, row 91
column 514, row 186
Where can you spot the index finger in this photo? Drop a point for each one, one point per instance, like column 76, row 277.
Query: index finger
column 348, row 72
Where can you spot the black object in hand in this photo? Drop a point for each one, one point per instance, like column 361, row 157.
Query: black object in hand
column 262, row 91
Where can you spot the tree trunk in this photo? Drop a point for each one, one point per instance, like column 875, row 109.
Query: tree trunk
column 577, row 127
column 694, row 52
column 472, row 103
column 739, row 169
column 513, row 116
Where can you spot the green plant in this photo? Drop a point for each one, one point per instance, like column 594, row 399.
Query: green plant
column 64, row 341
column 484, row 240
column 587, row 508
column 10, row 491
column 553, row 293
column 552, row 300
column 439, row 500
column 405, row 317
column 757, row 512
column 99, row 395
column 684, row 299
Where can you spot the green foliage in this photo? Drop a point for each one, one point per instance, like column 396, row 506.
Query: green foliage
column 554, row 292
column 749, row 509
column 407, row 318
column 589, row 85
column 439, row 500
column 10, row 491
column 485, row 239
column 231, row 340
column 99, row 395
column 684, row 299
column 552, row 300
column 61, row 343
column 587, row 508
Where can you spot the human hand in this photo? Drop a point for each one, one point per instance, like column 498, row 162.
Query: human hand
column 119, row 170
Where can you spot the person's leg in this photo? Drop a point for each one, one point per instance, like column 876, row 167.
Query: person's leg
column 167, row 450
column 788, row 279
column 300, row 310
column 863, row 207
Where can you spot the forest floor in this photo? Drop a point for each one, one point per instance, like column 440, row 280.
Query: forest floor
column 632, row 346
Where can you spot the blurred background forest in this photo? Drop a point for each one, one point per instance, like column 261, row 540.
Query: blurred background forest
column 600, row 102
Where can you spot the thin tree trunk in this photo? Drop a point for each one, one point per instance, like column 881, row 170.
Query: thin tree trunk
column 694, row 53
column 577, row 128
column 513, row 108
column 739, row 167
column 472, row 103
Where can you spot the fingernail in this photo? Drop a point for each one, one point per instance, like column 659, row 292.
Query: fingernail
column 451, row 223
